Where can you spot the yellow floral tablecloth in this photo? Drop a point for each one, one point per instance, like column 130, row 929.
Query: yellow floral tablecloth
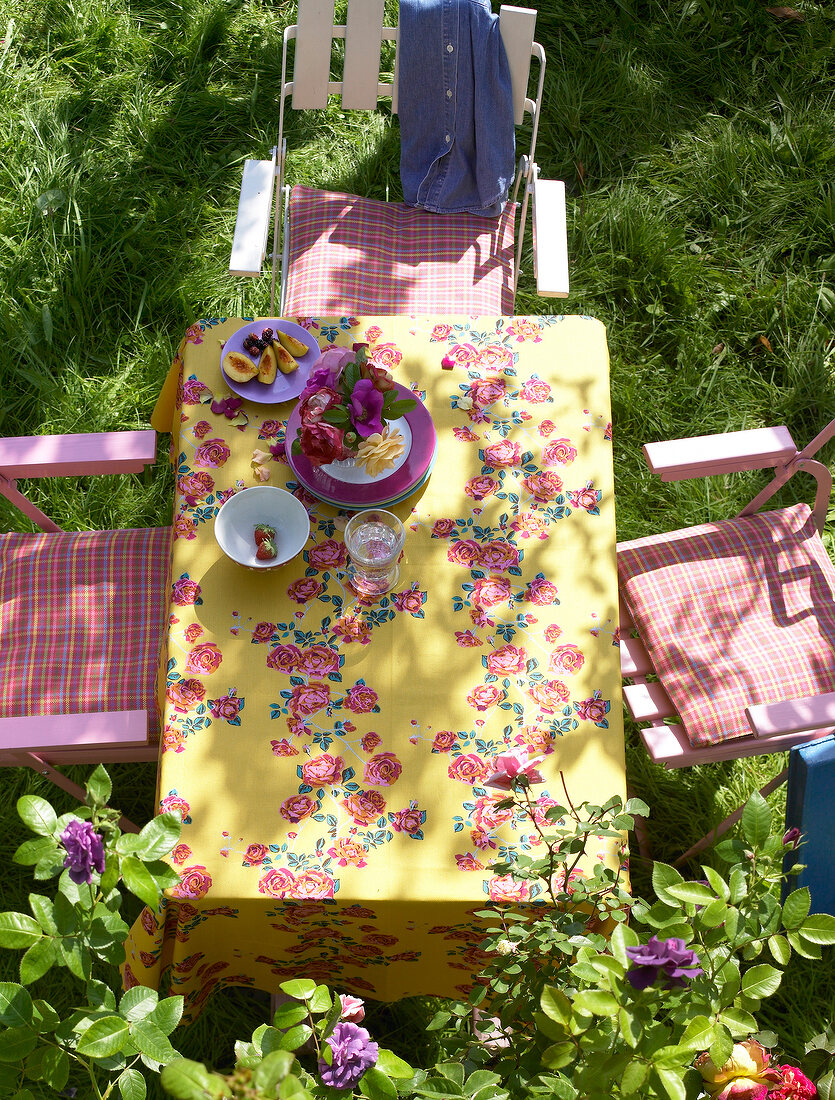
column 328, row 754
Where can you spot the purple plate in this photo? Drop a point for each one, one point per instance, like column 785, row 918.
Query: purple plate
column 286, row 386
column 328, row 482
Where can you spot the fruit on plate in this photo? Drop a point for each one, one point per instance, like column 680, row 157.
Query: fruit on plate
column 267, row 366
column 239, row 367
column 264, row 532
column 266, row 550
column 286, row 363
column 294, row 346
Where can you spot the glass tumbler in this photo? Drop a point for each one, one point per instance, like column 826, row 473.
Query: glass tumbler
column 374, row 540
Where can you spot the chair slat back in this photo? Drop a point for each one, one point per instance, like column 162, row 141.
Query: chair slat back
column 361, row 87
column 311, row 69
column 363, row 38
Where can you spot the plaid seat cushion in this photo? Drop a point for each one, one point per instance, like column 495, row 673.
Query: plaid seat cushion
column 734, row 613
column 349, row 255
column 82, row 621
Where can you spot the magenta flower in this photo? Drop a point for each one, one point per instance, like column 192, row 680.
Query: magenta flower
column 668, row 958
column 365, row 406
column 512, row 767
column 353, row 1053
column 85, row 851
column 328, row 370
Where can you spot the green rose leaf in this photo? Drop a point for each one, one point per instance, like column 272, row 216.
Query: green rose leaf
column 159, row 836
column 796, row 907
column 621, row 938
column 376, row 1086
column 698, row 1035
column 633, row 1077
column 104, row 1037
column 717, row 883
column 131, row 1084
column 779, row 948
column 671, row 1082
column 37, row 813
column 692, row 892
column 740, row 1023
column 761, row 981
column 395, row 1067
column 31, row 852
column 140, row 881
column 288, row 1015
column 663, row 877
column 167, row 1014
column 15, row 1005
column 138, row 1003
column 150, row 1041
column 818, row 928
column 18, row 930
column 559, row 1055
column 37, row 960
column 273, row 1069
column 802, row 947
column 595, row 1003
column 756, row 821
column 300, row 988
column 296, row 1037
column 321, row 1000
column 99, row 787
column 555, row 1005
column 54, row 1067
column 187, row 1080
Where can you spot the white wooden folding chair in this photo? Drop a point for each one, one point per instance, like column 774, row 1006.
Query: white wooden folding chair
column 344, row 254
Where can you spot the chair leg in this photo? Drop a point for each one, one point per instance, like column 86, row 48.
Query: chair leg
column 729, row 822
column 43, row 767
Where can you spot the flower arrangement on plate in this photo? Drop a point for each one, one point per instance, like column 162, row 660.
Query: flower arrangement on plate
column 347, row 410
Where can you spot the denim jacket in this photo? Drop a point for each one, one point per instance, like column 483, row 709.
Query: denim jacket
column 455, row 105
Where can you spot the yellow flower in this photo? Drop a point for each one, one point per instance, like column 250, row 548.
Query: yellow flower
column 380, row 451
column 745, row 1074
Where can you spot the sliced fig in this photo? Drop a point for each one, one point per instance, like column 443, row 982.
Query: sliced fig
column 267, row 366
column 286, row 363
column 294, row 346
column 239, row 367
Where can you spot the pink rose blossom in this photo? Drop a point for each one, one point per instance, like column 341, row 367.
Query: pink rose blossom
column 512, row 766
column 352, row 1009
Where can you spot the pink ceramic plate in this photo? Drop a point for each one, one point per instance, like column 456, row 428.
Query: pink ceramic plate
column 328, row 482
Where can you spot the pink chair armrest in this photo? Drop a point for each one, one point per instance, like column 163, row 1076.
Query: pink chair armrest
column 73, row 733
column 724, row 453
column 75, row 455
column 812, row 713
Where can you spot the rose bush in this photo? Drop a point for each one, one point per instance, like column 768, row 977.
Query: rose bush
column 591, row 994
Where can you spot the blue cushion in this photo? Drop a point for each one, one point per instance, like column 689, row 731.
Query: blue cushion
column 809, row 801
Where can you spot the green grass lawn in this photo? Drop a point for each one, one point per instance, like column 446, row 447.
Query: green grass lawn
column 697, row 142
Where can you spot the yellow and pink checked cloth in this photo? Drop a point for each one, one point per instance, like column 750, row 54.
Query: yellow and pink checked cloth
column 328, row 755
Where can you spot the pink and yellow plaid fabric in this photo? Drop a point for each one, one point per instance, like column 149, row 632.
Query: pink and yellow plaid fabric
column 82, row 621
column 349, row 255
column 734, row 613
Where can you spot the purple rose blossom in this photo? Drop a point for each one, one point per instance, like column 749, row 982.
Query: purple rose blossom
column 365, row 406
column 85, row 851
column 669, row 958
column 353, row 1053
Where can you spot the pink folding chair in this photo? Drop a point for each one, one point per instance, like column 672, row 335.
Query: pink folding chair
column 735, row 620
column 82, row 618
column 346, row 254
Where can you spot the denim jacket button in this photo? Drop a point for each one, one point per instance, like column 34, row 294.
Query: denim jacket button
column 449, row 93
column 447, row 138
column 450, row 47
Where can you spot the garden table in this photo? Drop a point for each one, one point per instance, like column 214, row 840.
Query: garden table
column 328, row 753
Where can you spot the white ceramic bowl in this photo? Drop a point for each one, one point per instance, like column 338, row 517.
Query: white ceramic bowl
column 236, row 520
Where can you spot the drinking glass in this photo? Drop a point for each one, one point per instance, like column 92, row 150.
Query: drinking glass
column 374, row 540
